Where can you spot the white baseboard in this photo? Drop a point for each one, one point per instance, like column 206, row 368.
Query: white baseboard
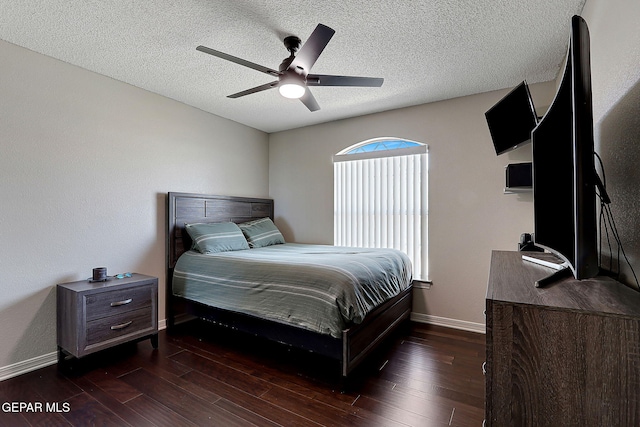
column 450, row 323
column 180, row 318
column 49, row 359
column 29, row 365
column 43, row 361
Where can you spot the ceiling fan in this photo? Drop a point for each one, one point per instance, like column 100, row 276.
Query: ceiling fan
column 293, row 73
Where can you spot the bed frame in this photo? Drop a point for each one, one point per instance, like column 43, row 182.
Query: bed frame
column 356, row 342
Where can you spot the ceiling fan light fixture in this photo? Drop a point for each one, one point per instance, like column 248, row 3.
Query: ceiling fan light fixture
column 292, row 90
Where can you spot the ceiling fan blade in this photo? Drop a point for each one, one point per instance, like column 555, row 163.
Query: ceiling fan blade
column 310, row 102
column 329, row 80
column 254, row 90
column 238, row 60
column 312, row 48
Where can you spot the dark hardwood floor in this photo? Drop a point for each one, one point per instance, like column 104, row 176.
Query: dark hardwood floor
column 202, row 375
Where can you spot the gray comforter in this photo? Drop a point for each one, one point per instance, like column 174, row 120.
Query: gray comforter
column 317, row 287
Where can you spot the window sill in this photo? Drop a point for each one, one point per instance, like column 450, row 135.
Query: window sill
column 422, row 284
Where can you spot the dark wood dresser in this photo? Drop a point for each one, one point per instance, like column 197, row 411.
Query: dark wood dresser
column 92, row 316
column 564, row 355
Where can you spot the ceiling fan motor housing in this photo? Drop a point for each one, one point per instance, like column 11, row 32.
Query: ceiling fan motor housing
column 292, row 43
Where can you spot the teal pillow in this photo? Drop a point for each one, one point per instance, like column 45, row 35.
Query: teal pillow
column 209, row 238
column 261, row 232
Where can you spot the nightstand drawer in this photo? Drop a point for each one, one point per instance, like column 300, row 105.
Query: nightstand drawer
column 114, row 302
column 124, row 324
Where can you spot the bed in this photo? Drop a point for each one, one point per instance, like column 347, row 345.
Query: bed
column 347, row 338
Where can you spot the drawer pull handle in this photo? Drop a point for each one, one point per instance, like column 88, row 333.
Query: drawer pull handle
column 484, row 368
column 121, row 326
column 123, row 302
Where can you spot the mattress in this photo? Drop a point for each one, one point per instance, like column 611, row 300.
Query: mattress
column 317, row 287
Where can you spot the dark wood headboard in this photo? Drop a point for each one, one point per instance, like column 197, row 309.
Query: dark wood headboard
column 185, row 208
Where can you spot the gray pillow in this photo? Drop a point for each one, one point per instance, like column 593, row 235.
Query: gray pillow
column 209, row 238
column 261, row 232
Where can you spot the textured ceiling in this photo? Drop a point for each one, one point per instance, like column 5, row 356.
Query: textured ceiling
column 425, row 50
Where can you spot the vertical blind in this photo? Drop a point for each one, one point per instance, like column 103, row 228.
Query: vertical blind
column 382, row 203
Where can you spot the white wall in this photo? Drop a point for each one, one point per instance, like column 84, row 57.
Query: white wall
column 615, row 78
column 468, row 217
column 85, row 164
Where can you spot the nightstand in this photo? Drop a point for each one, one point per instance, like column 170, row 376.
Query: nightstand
column 93, row 316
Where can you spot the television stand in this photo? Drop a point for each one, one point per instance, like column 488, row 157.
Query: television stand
column 565, row 355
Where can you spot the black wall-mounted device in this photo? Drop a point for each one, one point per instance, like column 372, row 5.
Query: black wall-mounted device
column 518, row 176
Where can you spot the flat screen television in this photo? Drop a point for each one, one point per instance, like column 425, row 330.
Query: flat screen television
column 564, row 174
column 512, row 119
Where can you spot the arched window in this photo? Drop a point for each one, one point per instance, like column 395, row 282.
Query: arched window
column 380, row 198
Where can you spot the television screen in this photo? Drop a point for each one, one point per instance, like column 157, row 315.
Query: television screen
column 564, row 175
column 512, row 119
